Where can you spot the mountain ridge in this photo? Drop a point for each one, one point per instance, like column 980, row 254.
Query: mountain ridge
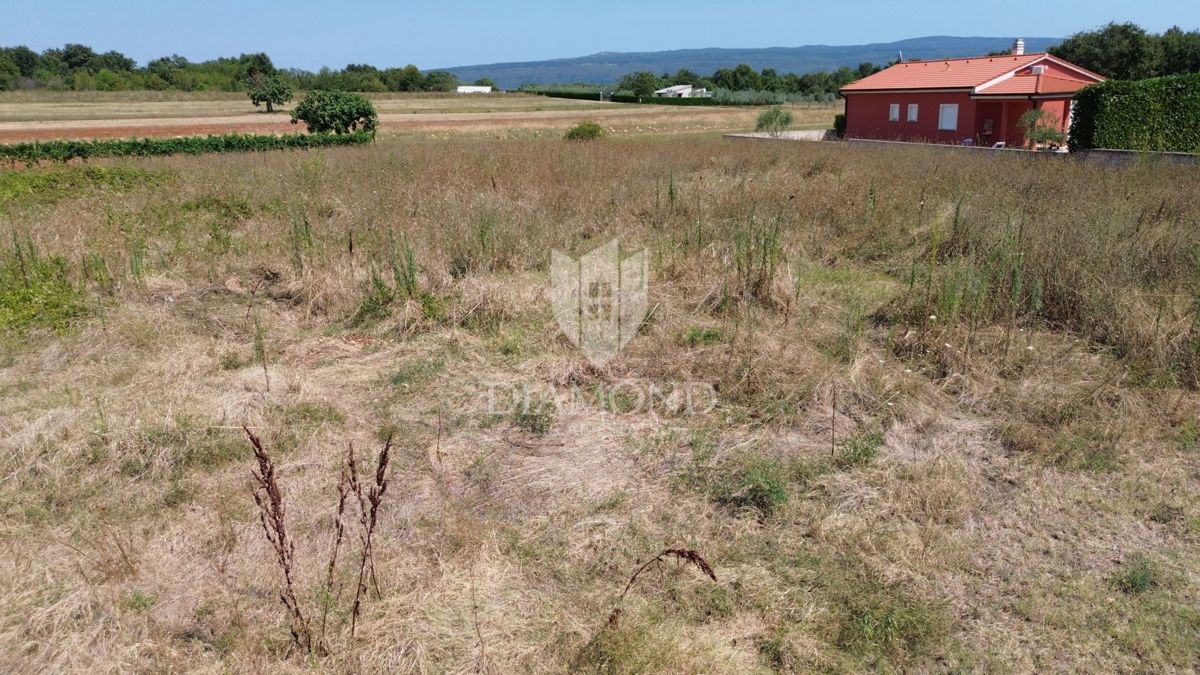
column 608, row 67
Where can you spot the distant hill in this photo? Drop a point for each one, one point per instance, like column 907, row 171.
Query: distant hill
column 608, row 67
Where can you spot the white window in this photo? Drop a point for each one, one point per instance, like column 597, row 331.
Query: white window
column 912, row 112
column 894, row 112
column 948, row 117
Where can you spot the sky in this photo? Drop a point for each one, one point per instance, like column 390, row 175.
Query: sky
column 309, row 34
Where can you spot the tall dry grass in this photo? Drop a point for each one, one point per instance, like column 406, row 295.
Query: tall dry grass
column 998, row 350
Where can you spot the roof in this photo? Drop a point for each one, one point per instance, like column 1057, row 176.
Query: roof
column 675, row 89
column 975, row 73
column 1034, row 84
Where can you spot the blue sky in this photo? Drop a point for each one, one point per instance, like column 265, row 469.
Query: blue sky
column 311, row 33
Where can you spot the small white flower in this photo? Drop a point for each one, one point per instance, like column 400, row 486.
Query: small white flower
column 1029, row 348
column 908, row 370
column 933, row 317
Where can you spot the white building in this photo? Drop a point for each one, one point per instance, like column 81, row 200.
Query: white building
column 682, row 91
column 473, row 89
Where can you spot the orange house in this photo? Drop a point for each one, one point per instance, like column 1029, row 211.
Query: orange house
column 969, row 101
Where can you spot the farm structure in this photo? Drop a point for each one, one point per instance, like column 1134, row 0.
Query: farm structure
column 682, row 91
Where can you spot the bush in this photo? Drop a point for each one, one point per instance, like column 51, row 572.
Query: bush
column 584, row 131
column 839, row 125
column 1154, row 115
column 774, row 121
column 337, row 112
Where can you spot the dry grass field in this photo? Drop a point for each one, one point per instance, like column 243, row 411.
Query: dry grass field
column 955, row 421
column 35, row 115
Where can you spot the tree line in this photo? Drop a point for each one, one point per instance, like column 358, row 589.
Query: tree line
column 79, row 67
column 1126, row 51
column 742, row 77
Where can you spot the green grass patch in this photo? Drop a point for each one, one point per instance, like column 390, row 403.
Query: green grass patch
column 137, row 601
column 1137, row 576
column 310, row 415
column 702, row 337
column 47, row 186
column 858, row 450
column 36, row 292
column 535, row 416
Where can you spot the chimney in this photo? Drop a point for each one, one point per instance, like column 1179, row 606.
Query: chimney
column 1018, row 47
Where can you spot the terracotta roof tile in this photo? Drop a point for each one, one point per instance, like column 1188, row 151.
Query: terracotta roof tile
column 1034, row 84
column 966, row 73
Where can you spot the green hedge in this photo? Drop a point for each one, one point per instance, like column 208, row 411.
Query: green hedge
column 578, row 95
column 672, row 100
column 1160, row 114
column 64, row 151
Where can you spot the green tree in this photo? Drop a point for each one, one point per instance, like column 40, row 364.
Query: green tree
column 485, row 82
column 23, row 57
column 641, row 83
column 114, row 61
column 75, row 56
column 1122, row 51
column 269, row 89
column 685, row 76
column 740, row 78
column 1180, row 51
column 440, row 80
column 408, row 78
column 9, row 74
column 336, row 112
column 774, row 121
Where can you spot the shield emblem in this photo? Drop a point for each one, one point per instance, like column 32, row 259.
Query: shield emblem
column 599, row 300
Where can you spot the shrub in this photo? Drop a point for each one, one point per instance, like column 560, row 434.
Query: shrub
column 337, row 112
column 1041, row 127
column 774, row 121
column 839, row 125
column 584, row 131
column 1157, row 114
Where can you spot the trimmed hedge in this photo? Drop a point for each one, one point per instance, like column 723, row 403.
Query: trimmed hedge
column 672, row 100
column 65, row 151
column 578, row 95
column 1159, row 114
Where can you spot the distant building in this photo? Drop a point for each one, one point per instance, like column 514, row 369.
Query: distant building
column 682, row 91
column 473, row 89
column 977, row 100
